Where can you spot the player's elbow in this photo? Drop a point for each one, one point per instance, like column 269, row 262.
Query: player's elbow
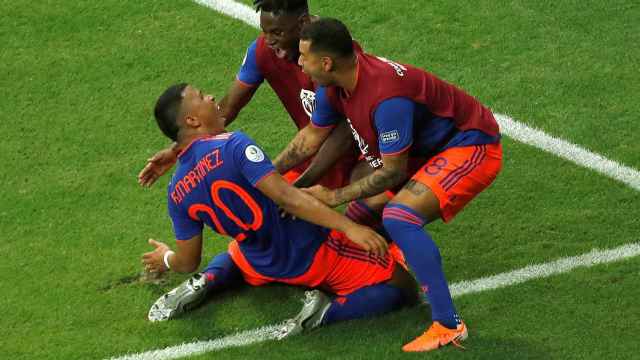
column 395, row 177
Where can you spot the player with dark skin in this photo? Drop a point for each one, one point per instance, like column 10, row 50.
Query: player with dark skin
column 281, row 30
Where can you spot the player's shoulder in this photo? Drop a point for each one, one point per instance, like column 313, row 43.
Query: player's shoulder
column 235, row 139
column 214, row 140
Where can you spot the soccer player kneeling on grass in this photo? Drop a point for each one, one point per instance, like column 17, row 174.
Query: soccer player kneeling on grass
column 224, row 180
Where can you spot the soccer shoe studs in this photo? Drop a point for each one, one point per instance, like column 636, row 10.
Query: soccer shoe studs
column 316, row 304
column 179, row 300
column 437, row 336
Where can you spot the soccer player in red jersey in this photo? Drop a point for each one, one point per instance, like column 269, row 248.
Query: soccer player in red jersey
column 226, row 182
column 431, row 143
column 273, row 57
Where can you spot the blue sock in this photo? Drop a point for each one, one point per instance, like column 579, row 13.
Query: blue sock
column 359, row 212
column 368, row 301
column 421, row 253
column 222, row 272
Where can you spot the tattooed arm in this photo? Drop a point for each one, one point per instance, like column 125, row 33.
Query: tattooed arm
column 338, row 143
column 305, row 144
column 390, row 175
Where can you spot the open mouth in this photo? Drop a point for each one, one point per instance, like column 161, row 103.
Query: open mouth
column 280, row 53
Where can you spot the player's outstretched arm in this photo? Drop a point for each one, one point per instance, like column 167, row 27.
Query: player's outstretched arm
column 338, row 143
column 304, row 145
column 158, row 165
column 294, row 201
column 185, row 259
column 237, row 98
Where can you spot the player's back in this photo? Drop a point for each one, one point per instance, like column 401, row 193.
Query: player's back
column 214, row 184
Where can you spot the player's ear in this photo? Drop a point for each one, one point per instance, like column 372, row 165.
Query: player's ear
column 327, row 63
column 191, row 121
column 303, row 20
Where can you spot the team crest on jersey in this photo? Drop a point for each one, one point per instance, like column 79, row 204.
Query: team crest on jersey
column 308, row 99
column 389, row 137
column 254, row 154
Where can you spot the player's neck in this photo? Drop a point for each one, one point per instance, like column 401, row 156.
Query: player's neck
column 185, row 140
column 347, row 77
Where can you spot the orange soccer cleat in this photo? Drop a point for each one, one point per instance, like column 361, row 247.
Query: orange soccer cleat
column 436, row 336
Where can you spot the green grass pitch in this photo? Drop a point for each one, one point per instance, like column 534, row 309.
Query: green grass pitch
column 78, row 80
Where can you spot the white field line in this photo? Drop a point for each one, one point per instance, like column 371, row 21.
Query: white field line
column 560, row 266
column 569, row 151
column 531, row 272
column 508, row 126
column 233, row 9
column 200, row 347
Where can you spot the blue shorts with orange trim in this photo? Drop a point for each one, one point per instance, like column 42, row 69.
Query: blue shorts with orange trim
column 339, row 266
column 458, row 174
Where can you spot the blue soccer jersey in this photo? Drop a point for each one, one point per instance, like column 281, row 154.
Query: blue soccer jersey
column 214, row 184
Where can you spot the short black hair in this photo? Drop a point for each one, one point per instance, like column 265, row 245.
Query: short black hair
column 280, row 7
column 328, row 35
column 167, row 110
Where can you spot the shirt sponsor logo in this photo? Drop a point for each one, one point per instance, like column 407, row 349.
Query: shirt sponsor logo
column 389, row 137
column 373, row 161
column 308, row 99
column 254, row 154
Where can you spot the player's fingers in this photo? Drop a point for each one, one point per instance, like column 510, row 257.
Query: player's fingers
column 375, row 247
column 154, row 243
column 379, row 246
column 143, row 180
column 384, row 246
column 149, row 180
column 366, row 245
column 155, row 158
column 142, row 176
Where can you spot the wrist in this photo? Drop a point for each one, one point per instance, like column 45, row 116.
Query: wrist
column 175, row 148
column 166, row 260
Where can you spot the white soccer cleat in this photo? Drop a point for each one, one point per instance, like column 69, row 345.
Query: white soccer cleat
column 316, row 304
column 179, row 300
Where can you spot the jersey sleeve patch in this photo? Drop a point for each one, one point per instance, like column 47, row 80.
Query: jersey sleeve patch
column 254, row 154
column 394, row 123
column 250, row 159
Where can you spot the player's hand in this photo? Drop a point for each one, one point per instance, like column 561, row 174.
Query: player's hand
column 157, row 166
column 154, row 261
column 367, row 239
column 323, row 194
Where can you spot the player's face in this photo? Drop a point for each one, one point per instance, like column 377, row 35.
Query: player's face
column 203, row 108
column 282, row 33
column 316, row 66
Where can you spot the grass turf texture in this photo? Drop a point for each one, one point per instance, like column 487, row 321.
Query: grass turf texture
column 78, row 83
